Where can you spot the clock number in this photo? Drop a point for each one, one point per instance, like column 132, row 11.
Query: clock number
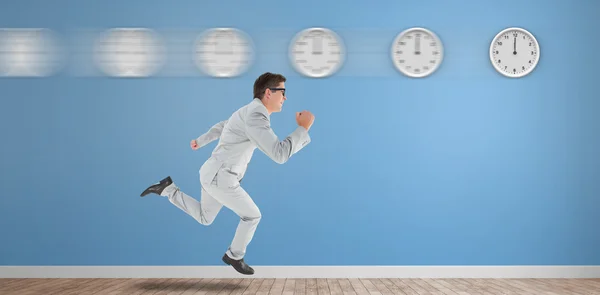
column 533, row 52
column 500, row 43
column 435, row 53
column 505, row 36
column 523, row 67
column 432, row 61
column 499, row 61
column 515, row 35
column 401, row 61
column 425, row 68
column 529, row 43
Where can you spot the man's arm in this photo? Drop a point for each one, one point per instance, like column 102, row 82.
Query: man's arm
column 259, row 131
column 212, row 134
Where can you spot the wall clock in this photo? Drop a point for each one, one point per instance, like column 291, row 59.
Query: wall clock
column 514, row 52
column 224, row 52
column 417, row 52
column 317, row 52
column 29, row 52
column 129, row 52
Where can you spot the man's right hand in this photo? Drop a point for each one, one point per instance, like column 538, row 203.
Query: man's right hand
column 194, row 144
column 305, row 119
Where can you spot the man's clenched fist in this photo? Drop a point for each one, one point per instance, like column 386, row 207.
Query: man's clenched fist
column 194, row 144
column 305, row 119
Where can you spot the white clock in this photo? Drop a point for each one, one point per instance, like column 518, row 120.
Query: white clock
column 417, row 52
column 514, row 52
column 223, row 52
column 129, row 52
column 317, row 52
column 29, row 52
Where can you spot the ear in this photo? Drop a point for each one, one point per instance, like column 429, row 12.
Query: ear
column 267, row 93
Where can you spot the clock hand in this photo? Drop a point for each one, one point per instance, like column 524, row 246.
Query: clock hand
column 515, row 46
column 318, row 46
column 417, row 45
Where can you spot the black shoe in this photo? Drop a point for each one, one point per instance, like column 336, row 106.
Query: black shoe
column 158, row 187
column 239, row 265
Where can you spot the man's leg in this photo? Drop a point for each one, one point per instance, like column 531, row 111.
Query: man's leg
column 238, row 201
column 204, row 211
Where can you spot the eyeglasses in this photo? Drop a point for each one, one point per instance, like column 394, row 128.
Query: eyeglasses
column 282, row 90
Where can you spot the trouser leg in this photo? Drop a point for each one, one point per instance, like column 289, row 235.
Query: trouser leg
column 238, row 201
column 204, row 211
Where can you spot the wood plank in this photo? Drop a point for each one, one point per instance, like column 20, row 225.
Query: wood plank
column 278, row 286
column 406, row 289
column 242, row 286
column 358, row 286
column 300, row 288
column 346, row 287
column 381, row 287
column 370, row 287
column 289, row 286
column 253, row 287
column 334, row 287
column 311, row 286
column 265, row 287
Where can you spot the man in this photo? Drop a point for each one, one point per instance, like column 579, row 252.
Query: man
column 248, row 128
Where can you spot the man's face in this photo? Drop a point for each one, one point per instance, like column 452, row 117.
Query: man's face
column 276, row 97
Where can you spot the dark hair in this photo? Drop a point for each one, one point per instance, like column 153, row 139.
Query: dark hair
column 266, row 80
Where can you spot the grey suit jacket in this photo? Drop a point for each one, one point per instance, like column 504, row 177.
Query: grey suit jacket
column 248, row 128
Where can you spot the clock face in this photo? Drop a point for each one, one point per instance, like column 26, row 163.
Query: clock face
column 317, row 52
column 129, row 52
column 224, row 52
column 417, row 52
column 29, row 53
column 514, row 52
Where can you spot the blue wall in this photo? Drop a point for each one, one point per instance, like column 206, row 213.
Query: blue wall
column 464, row 167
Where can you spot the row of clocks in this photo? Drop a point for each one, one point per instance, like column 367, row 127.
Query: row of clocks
column 314, row 52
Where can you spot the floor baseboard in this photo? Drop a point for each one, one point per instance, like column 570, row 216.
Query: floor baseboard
column 533, row 271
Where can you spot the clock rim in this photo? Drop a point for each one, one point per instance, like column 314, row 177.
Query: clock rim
column 154, row 35
column 333, row 71
column 200, row 66
column 524, row 31
column 402, row 34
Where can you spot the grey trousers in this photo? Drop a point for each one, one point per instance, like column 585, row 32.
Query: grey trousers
column 212, row 199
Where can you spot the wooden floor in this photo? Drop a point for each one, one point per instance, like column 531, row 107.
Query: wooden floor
column 299, row 286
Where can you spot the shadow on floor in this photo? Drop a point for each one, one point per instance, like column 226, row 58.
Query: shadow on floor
column 216, row 285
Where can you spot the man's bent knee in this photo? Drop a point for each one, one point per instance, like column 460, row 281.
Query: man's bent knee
column 252, row 218
column 206, row 221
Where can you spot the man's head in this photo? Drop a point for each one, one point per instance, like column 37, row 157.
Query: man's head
column 270, row 89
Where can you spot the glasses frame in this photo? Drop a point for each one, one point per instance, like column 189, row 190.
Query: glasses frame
column 276, row 88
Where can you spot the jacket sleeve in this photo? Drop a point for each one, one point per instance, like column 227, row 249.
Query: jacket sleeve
column 258, row 129
column 212, row 134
